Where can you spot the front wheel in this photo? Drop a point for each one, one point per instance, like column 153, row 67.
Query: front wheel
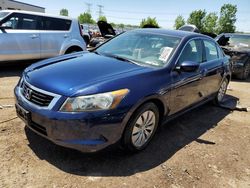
column 141, row 127
column 222, row 91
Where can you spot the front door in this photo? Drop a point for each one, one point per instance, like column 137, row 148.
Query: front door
column 21, row 39
column 186, row 86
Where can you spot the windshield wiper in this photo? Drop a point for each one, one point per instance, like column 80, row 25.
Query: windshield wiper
column 121, row 58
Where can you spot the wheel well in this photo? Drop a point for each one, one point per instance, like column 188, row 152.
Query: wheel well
column 73, row 49
column 159, row 104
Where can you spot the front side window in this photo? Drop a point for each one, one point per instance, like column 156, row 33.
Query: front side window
column 146, row 49
column 21, row 21
column 211, row 50
column 192, row 52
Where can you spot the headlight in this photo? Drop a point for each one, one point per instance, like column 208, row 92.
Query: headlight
column 103, row 101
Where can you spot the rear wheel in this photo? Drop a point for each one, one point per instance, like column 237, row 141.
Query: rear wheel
column 141, row 127
column 222, row 91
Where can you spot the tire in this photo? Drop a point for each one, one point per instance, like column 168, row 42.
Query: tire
column 141, row 128
column 244, row 75
column 221, row 92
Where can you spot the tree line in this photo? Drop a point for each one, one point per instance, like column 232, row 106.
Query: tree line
column 211, row 22
column 205, row 22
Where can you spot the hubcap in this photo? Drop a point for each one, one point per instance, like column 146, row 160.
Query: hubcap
column 222, row 91
column 143, row 128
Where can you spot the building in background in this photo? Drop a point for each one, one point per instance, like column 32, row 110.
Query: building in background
column 17, row 5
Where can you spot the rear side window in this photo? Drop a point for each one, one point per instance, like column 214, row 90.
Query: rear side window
column 211, row 50
column 21, row 21
column 55, row 24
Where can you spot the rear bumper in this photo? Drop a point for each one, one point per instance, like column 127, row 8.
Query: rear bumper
column 86, row 132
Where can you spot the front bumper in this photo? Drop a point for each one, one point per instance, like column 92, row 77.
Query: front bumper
column 86, row 132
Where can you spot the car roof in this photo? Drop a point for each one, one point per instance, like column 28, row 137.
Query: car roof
column 36, row 13
column 176, row 33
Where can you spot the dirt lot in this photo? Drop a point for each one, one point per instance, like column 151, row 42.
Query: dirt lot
column 207, row 147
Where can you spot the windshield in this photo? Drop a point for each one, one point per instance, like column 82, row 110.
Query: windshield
column 3, row 14
column 146, row 49
column 235, row 41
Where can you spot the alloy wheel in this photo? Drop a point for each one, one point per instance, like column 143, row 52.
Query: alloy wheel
column 143, row 128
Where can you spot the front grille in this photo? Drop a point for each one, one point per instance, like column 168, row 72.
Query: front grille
column 35, row 97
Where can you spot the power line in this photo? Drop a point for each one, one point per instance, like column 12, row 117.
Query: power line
column 89, row 5
column 130, row 18
column 155, row 13
column 100, row 12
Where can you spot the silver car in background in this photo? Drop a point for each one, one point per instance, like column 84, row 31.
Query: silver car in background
column 29, row 35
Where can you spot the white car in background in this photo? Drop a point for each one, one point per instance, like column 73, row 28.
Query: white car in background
column 30, row 35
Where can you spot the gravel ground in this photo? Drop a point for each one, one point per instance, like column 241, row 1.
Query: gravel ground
column 207, row 147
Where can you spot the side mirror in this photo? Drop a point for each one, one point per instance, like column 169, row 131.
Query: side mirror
column 188, row 66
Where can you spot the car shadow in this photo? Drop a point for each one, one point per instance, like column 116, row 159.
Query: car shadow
column 169, row 139
column 14, row 68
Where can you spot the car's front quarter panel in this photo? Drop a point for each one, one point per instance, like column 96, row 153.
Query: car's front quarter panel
column 84, row 131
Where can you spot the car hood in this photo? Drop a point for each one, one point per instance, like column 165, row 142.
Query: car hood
column 237, row 53
column 106, row 29
column 68, row 74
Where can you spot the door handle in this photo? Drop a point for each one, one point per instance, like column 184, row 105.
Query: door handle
column 34, row 36
column 66, row 36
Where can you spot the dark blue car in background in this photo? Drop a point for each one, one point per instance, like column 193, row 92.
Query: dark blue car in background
column 123, row 90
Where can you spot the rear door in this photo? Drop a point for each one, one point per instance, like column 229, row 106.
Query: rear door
column 55, row 33
column 212, row 67
column 187, row 86
column 21, row 40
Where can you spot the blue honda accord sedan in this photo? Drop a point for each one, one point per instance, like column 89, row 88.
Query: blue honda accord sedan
column 123, row 90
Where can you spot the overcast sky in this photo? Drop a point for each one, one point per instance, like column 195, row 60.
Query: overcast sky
column 132, row 11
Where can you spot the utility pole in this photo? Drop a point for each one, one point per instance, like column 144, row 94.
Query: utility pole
column 89, row 5
column 100, row 12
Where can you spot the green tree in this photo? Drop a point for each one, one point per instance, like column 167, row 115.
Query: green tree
column 197, row 18
column 149, row 21
column 210, row 23
column 113, row 24
column 227, row 18
column 64, row 12
column 179, row 21
column 102, row 18
column 122, row 26
column 86, row 18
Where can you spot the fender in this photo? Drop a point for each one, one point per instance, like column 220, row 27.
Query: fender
column 73, row 42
